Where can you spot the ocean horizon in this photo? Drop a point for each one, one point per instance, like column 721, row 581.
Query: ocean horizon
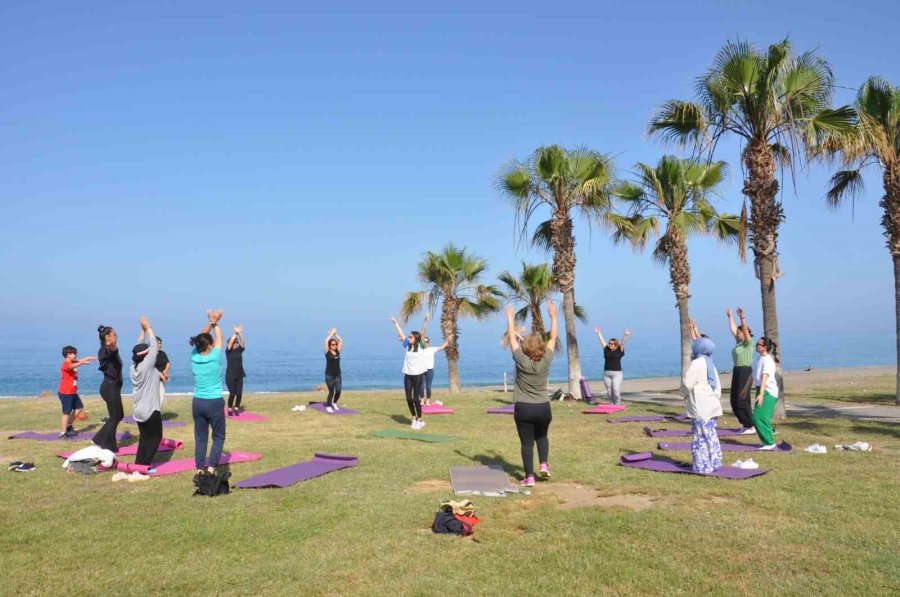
column 277, row 366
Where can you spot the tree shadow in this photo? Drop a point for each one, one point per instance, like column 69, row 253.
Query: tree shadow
column 887, row 429
column 90, row 427
column 493, row 459
column 169, row 416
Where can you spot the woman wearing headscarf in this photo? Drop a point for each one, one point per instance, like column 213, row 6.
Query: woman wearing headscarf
column 702, row 392
column 146, row 395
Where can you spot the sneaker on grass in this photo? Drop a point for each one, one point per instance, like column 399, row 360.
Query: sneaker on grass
column 748, row 431
column 545, row 470
column 769, row 447
column 528, row 481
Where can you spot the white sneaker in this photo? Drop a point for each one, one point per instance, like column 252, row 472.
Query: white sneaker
column 136, row 476
column 329, row 409
column 817, row 449
column 749, row 464
column 415, row 424
column 861, row 447
column 738, row 464
column 439, row 403
column 748, row 431
column 421, row 423
column 769, row 447
column 336, row 407
column 120, row 476
column 299, row 408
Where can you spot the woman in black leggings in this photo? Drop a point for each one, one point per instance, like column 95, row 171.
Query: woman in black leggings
column 110, row 363
column 532, row 404
column 234, row 370
column 333, row 347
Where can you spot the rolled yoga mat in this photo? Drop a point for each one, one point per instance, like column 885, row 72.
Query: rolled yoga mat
column 321, row 464
column 436, row 409
column 586, row 390
column 686, row 432
column 247, row 416
column 407, row 434
column 508, row 409
column 186, row 464
column 320, row 406
column 130, row 420
column 484, row 480
column 648, row 462
column 726, row 447
column 604, row 409
column 52, row 437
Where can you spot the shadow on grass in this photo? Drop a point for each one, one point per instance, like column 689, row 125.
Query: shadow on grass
column 402, row 419
column 888, row 429
column 489, row 459
column 880, row 399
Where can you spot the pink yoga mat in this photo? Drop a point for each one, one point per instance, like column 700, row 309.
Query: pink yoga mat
column 649, row 462
column 247, row 416
column 726, row 447
column 604, row 409
column 187, row 464
column 436, row 409
column 165, row 445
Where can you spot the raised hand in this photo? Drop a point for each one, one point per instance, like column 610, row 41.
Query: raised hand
column 510, row 311
column 551, row 308
column 238, row 329
column 728, row 312
column 145, row 324
column 427, row 316
column 597, row 330
column 627, row 332
column 740, row 313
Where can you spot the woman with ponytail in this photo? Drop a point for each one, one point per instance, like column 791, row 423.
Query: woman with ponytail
column 702, row 392
column 110, row 363
column 208, row 407
column 766, row 391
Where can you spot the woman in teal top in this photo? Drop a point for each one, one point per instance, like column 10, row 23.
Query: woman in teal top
column 208, row 407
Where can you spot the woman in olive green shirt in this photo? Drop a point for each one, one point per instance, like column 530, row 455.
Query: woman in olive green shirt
column 742, row 373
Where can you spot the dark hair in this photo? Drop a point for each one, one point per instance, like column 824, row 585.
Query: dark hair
column 201, row 342
column 417, row 339
column 159, row 338
column 103, row 331
column 136, row 358
column 67, row 350
column 771, row 347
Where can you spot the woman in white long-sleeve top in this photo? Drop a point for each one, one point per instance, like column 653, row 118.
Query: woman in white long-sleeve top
column 702, row 398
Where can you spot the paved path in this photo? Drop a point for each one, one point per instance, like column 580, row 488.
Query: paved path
column 867, row 412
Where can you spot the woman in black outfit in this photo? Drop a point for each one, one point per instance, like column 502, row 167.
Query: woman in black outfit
column 110, row 363
column 234, row 371
column 333, row 346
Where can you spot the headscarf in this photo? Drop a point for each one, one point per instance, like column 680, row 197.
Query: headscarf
column 704, row 347
column 139, row 352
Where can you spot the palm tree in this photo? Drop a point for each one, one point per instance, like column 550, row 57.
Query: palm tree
column 452, row 276
column 532, row 288
column 564, row 180
column 873, row 138
column 774, row 102
column 675, row 194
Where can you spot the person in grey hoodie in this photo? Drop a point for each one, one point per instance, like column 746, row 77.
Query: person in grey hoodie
column 147, row 404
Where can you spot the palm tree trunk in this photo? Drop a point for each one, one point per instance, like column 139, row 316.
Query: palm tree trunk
column 766, row 215
column 891, row 223
column 449, row 326
column 537, row 320
column 680, row 278
column 563, row 241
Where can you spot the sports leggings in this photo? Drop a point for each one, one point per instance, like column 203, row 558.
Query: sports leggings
column 412, row 384
column 151, row 433
column 111, row 392
column 613, row 382
column 334, row 389
column 235, row 391
column 532, row 423
column 428, row 378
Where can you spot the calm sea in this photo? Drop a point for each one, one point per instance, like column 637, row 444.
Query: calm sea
column 278, row 366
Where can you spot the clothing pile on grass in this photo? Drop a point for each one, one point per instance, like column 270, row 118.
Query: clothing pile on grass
column 455, row 518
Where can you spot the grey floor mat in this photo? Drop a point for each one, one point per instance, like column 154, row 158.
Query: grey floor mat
column 481, row 480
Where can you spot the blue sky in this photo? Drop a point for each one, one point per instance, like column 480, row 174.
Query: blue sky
column 292, row 165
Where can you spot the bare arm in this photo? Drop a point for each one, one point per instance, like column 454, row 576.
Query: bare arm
column 731, row 325
column 554, row 326
column 762, row 388
column 695, row 333
column 511, row 329
column 445, row 344
column 600, row 336
column 340, row 341
column 80, row 362
column 214, row 317
column 625, row 336
column 328, row 337
column 400, row 333
column 231, row 342
column 425, row 324
column 744, row 327
column 164, row 374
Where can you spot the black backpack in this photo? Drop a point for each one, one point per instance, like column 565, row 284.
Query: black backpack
column 211, row 484
column 446, row 522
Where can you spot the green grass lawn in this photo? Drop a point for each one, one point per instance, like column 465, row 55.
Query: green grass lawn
column 817, row 524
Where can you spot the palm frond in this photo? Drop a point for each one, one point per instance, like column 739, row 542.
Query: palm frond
column 412, row 304
column 846, row 183
column 679, row 122
column 542, row 237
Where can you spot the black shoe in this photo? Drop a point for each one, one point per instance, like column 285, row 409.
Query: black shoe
column 15, row 464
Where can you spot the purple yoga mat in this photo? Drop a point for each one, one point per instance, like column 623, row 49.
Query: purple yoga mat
column 685, row 432
column 130, row 420
column 508, row 409
column 648, row 462
column 648, row 418
column 51, row 437
column 726, row 447
column 320, row 406
column 321, row 464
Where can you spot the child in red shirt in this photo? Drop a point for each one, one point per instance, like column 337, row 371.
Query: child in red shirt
column 68, row 389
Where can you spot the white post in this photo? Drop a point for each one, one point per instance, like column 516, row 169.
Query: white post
column 505, row 386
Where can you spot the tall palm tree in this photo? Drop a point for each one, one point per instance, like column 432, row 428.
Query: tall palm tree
column 566, row 181
column 873, row 139
column 452, row 276
column 533, row 287
column 675, row 195
column 774, row 102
